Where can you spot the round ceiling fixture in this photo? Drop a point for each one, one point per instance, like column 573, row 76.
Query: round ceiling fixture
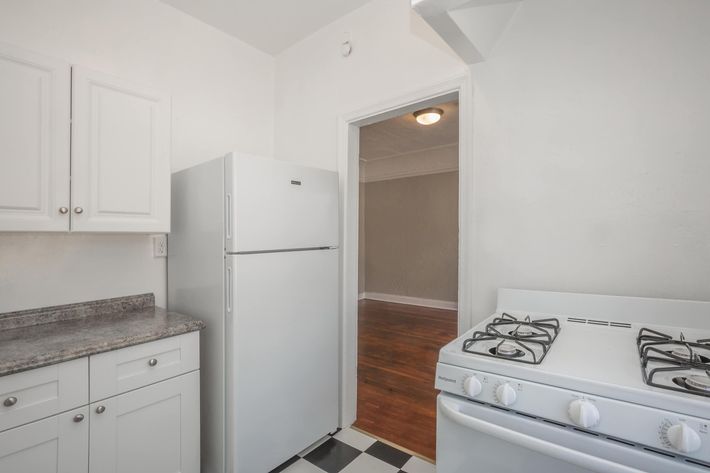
column 428, row 116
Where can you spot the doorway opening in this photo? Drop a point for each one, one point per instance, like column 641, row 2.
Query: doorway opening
column 459, row 89
column 408, row 219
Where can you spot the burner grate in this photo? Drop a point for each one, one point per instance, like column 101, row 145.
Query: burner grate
column 676, row 356
column 524, row 341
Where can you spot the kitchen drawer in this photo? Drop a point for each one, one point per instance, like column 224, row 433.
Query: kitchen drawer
column 123, row 370
column 42, row 392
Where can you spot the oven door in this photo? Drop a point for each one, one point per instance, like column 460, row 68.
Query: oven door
column 473, row 438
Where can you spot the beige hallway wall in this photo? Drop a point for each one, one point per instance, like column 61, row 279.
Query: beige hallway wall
column 411, row 236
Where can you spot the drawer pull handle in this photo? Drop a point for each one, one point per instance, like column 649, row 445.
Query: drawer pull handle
column 10, row 401
column 101, row 409
column 78, row 417
column 152, row 362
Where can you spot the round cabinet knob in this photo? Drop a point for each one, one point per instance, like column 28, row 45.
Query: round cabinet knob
column 63, row 210
column 472, row 386
column 683, row 438
column 506, row 394
column 152, row 362
column 583, row 413
column 10, row 401
column 101, row 409
column 78, row 210
column 78, row 417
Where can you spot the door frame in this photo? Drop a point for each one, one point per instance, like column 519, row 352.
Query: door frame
column 349, row 172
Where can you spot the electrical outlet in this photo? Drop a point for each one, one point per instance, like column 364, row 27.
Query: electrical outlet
column 160, row 246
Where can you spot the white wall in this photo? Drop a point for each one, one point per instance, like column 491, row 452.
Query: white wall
column 222, row 89
column 590, row 145
column 394, row 52
column 37, row 270
column 590, row 136
column 222, row 92
column 592, row 151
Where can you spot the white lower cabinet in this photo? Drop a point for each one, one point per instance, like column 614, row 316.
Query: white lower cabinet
column 58, row 444
column 155, row 429
column 148, row 425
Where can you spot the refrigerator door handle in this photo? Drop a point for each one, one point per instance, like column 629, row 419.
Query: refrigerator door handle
column 230, row 288
column 228, row 216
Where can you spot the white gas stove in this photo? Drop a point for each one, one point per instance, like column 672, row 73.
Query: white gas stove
column 561, row 382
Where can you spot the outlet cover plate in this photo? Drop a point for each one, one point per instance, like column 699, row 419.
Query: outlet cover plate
column 160, row 246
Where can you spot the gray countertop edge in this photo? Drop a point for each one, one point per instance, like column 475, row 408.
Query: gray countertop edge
column 74, row 352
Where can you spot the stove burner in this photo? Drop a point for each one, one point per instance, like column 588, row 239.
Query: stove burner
column 524, row 341
column 699, row 383
column 693, row 383
column 683, row 352
column 507, row 350
column 661, row 353
column 522, row 331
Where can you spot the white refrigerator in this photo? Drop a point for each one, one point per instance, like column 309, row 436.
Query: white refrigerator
column 253, row 251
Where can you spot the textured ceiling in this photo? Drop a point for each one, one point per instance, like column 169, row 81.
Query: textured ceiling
column 403, row 135
column 268, row 25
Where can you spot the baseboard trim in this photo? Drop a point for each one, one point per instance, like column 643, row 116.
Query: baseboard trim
column 433, row 303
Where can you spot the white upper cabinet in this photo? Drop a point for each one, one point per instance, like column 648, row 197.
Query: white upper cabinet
column 120, row 155
column 34, row 141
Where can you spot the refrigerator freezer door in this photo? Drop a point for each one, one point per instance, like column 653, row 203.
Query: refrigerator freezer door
column 277, row 205
column 282, row 319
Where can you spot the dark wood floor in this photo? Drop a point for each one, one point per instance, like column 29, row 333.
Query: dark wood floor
column 398, row 347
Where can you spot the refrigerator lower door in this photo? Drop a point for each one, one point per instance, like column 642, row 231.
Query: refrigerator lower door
column 282, row 365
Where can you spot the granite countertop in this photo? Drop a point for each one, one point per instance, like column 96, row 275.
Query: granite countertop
column 39, row 337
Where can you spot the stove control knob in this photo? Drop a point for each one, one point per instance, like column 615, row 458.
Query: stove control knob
column 583, row 413
column 683, row 438
column 506, row 394
column 472, row 386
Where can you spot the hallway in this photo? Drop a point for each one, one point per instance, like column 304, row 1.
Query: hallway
column 398, row 347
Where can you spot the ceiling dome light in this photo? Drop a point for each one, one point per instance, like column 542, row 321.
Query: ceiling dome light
column 428, row 116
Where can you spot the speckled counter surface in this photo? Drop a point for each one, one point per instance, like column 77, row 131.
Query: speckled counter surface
column 40, row 337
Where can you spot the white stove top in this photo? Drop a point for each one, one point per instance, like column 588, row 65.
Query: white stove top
column 602, row 360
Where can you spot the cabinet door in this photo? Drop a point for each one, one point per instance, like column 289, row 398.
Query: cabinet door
column 155, row 429
column 120, row 155
column 34, row 141
column 58, row 444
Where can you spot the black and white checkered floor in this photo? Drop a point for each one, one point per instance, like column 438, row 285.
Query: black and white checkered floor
column 350, row 451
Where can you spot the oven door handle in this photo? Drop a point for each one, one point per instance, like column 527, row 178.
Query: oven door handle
column 544, row 447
